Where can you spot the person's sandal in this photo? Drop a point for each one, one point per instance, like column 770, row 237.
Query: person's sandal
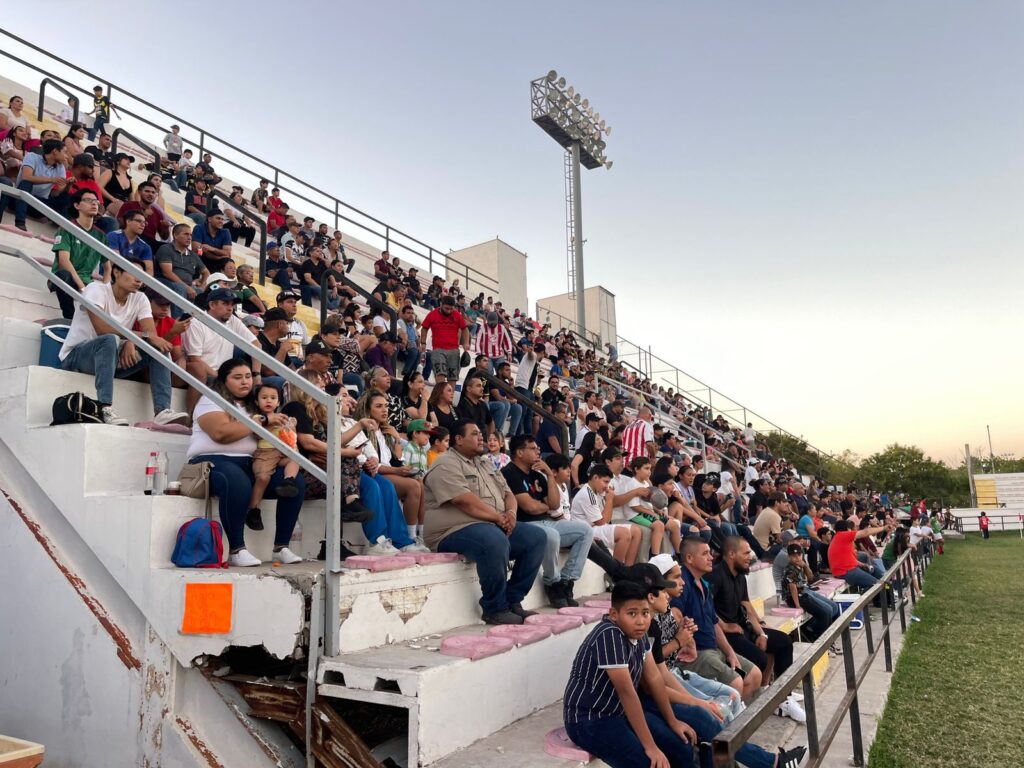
column 254, row 519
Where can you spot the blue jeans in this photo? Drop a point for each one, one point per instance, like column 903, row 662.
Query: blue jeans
column 527, row 414
column 411, row 362
column 515, row 417
column 377, row 493
column 310, row 292
column 491, row 549
column 612, row 739
column 59, row 203
column 575, row 534
column 707, row 727
column 499, row 412
column 354, row 379
column 858, row 577
column 823, row 612
column 231, row 482
column 99, row 357
column 725, row 696
column 98, row 124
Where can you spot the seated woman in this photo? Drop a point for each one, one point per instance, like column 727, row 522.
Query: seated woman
column 414, row 402
column 368, row 498
column 228, row 443
column 12, row 150
column 384, row 445
column 379, row 380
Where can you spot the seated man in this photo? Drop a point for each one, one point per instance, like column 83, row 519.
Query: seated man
column 549, row 435
column 128, row 241
column 310, row 273
column 212, row 241
column 539, row 503
column 93, row 346
column 167, row 328
column 179, row 268
column 76, row 261
column 593, row 505
column 738, row 619
column 716, row 658
column 157, row 229
column 602, row 708
column 797, row 594
column 45, row 177
column 472, row 406
column 205, row 349
column 470, row 510
column 197, row 202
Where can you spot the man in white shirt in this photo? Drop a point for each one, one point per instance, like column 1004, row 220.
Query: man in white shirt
column 205, row 349
column 750, row 476
column 93, row 346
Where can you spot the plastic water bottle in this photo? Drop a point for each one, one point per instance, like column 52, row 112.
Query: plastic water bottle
column 151, row 468
column 160, row 476
column 297, row 534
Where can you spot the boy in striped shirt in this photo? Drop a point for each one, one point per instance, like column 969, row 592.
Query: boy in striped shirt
column 602, row 708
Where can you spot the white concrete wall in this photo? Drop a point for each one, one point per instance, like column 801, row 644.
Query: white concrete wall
column 502, row 263
column 599, row 304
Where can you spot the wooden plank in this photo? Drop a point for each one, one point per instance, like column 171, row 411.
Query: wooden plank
column 335, row 744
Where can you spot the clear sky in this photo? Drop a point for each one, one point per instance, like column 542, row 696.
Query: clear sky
column 814, row 207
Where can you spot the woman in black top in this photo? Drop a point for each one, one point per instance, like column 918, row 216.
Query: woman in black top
column 440, row 410
column 588, row 452
column 414, row 402
column 117, row 183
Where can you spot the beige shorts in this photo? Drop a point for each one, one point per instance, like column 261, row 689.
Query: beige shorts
column 266, row 460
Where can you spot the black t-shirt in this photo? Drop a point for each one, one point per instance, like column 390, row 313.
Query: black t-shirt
column 103, row 159
column 309, row 268
column 654, row 634
column 547, row 429
column 533, row 483
column 710, row 504
column 268, row 346
column 729, row 592
column 479, row 414
column 550, row 398
column 446, row 420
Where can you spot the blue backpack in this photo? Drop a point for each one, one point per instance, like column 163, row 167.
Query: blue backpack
column 199, row 545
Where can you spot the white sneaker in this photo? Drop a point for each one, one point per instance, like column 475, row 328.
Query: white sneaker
column 110, row 417
column 383, row 548
column 167, row 416
column 243, row 559
column 419, row 540
column 791, row 709
column 415, row 547
column 286, row 557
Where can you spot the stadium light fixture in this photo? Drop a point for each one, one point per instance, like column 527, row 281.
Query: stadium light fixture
column 562, row 113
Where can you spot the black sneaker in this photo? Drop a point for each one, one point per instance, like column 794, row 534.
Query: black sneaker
column 356, row 512
column 792, row 758
column 286, row 489
column 503, row 617
column 518, row 610
column 254, row 519
column 322, row 554
column 555, row 595
column 567, row 586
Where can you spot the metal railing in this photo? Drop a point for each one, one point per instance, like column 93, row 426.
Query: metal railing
column 333, row 207
column 591, row 339
column 371, row 300
column 119, row 132
column 330, row 476
column 739, row 731
column 529, row 405
column 62, row 89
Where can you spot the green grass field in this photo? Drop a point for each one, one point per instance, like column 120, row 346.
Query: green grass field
column 957, row 696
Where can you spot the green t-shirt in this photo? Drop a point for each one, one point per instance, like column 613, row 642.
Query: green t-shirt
column 84, row 258
column 887, row 553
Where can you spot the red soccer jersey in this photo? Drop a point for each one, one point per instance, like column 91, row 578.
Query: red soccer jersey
column 841, row 554
column 444, row 328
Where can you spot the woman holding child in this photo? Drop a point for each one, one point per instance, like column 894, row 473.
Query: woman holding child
column 229, row 443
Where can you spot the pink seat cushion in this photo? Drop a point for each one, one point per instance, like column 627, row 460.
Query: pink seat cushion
column 520, row 634
column 380, row 562
column 433, row 558
column 558, row 624
column 475, row 647
column 760, row 566
column 14, row 230
column 589, row 615
column 604, row 605
column 784, row 610
column 558, row 744
column 177, row 429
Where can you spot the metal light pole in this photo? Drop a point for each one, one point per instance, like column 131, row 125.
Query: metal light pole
column 991, row 455
column 569, row 119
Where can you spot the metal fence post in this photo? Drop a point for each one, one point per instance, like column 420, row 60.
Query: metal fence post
column 851, row 685
column 812, row 717
column 886, row 642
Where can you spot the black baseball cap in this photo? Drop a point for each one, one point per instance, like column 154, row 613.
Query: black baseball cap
column 647, row 575
column 223, row 294
column 387, row 336
column 317, row 347
column 794, row 549
column 285, row 295
column 274, row 313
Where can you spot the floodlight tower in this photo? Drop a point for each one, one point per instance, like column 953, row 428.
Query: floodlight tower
column 564, row 115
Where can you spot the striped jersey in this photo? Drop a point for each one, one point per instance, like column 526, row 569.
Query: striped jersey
column 589, row 694
column 493, row 342
column 635, row 438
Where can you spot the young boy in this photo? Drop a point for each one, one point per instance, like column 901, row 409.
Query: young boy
column 593, row 504
column 643, row 512
column 414, row 450
column 266, row 459
column 602, row 708
column 798, row 595
column 559, row 465
column 438, row 444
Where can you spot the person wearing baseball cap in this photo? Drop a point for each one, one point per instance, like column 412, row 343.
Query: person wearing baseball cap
column 448, row 330
column 298, row 334
column 414, row 454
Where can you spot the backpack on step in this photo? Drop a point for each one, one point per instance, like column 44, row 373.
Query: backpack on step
column 199, row 545
column 76, row 408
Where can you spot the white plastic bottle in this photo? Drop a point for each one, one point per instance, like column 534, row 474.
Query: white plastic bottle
column 151, row 468
column 160, row 476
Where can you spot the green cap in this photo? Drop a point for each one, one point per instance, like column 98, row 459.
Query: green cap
column 418, row 425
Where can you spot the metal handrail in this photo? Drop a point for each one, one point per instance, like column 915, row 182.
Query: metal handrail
column 248, row 215
column 118, row 132
column 739, row 731
column 544, row 413
column 371, row 300
column 471, row 274
column 331, row 477
column 62, row 89
column 583, row 334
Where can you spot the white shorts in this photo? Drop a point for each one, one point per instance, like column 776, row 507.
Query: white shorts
column 606, row 533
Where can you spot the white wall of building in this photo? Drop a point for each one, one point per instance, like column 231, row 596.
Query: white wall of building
column 499, row 261
column 599, row 303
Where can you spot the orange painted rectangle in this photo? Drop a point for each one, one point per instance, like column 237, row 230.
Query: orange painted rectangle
column 208, row 609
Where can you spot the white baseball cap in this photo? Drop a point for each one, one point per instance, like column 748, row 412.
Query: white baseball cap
column 663, row 563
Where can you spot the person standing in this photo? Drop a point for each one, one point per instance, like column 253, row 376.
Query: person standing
column 983, row 525
column 449, row 330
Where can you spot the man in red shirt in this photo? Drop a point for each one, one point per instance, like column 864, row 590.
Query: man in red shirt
column 167, row 328
column 449, row 330
column 157, row 230
column 842, row 556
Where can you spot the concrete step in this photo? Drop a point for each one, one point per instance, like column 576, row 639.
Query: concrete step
column 452, row 701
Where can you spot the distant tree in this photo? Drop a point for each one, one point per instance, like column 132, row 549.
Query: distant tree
column 905, row 468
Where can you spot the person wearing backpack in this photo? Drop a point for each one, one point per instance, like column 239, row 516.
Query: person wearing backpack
column 229, row 443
